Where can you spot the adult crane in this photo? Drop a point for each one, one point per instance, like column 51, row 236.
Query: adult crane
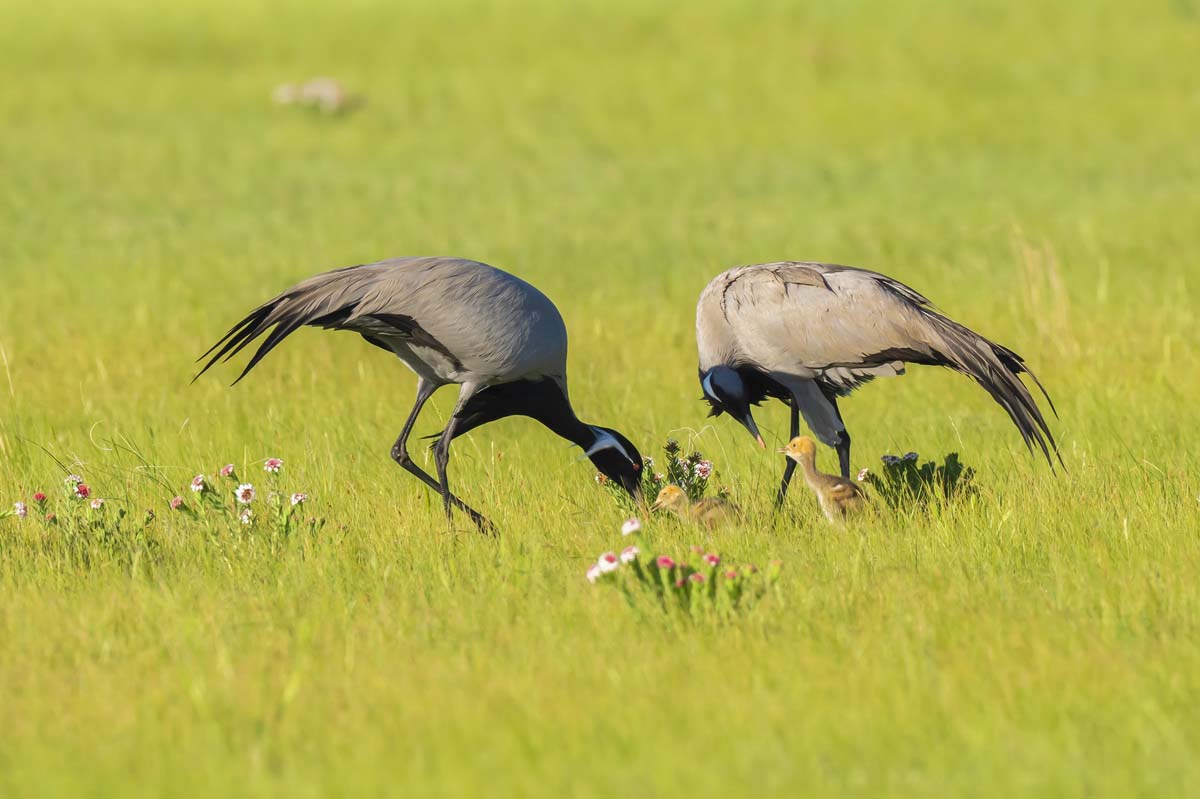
column 450, row 320
column 810, row 333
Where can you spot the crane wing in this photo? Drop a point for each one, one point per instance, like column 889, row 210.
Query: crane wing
column 844, row 326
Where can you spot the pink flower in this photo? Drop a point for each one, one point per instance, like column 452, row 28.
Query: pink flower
column 696, row 577
column 712, row 559
column 680, row 583
column 73, row 480
column 608, row 562
column 227, row 470
column 198, row 483
column 593, row 573
column 273, row 465
column 247, row 516
column 176, row 503
column 39, row 497
column 704, row 469
column 863, row 474
column 664, row 562
column 299, row 499
column 629, row 554
column 97, row 503
column 244, row 493
column 20, row 509
column 631, row 526
column 731, row 575
column 82, row 491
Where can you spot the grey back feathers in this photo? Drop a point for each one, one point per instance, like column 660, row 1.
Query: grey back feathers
column 450, row 319
column 824, row 330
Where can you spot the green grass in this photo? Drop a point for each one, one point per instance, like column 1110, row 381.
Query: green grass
column 1032, row 167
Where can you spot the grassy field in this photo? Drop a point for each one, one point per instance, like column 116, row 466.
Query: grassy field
column 1032, row 167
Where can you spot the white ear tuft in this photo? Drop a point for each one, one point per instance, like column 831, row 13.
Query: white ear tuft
column 605, row 440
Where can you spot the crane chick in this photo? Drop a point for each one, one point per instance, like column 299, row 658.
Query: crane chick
column 706, row 512
column 838, row 496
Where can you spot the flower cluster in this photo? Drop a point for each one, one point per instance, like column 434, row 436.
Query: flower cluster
column 712, row 587
column 240, row 503
column 84, row 518
column 894, row 460
column 904, row 482
column 690, row 472
column 79, row 510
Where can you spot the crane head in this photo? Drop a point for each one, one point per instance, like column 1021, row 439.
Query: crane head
column 726, row 391
column 615, row 457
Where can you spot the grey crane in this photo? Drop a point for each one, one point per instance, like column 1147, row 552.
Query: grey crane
column 810, row 333
column 450, row 320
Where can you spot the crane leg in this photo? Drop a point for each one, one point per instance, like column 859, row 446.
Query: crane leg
column 441, row 459
column 400, row 454
column 843, row 435
column 843, row 451
column 790, row 468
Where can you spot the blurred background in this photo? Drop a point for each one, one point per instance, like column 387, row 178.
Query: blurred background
column 1031, row 167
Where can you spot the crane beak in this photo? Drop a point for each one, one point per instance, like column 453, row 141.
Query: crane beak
column 748, row 422
column 634, row 487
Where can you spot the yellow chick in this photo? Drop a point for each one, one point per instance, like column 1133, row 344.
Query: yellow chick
column 838, row 496
column 707, row 512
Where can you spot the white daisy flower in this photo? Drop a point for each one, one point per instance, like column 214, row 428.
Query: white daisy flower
column 629, row 554
column 20, row 509
column 245, row 493
column 862, row 475
column 608, row 562
column 246, row 516
column 631, row 526
column 97, row 503
column 299, row 499
column 593, row 573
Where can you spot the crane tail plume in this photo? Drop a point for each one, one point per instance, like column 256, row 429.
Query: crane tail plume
column 327, row 300
column 997, row 370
